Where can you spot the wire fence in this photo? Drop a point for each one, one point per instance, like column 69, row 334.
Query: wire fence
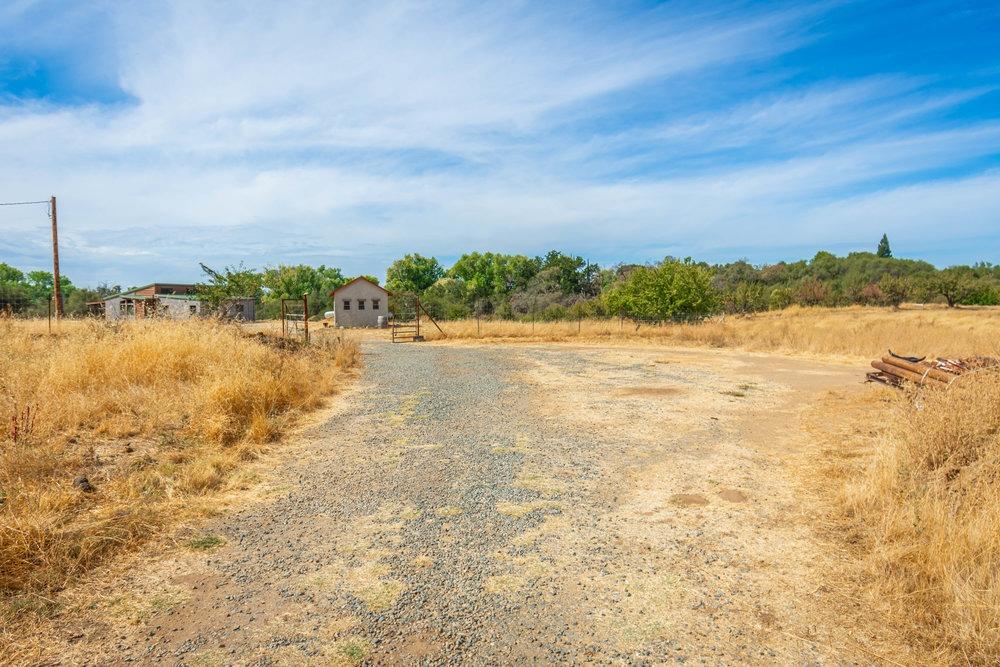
column 17, row 302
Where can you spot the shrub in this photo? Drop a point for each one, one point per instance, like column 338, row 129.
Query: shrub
column 780, row 298
column 812, row 292
column 671, row 290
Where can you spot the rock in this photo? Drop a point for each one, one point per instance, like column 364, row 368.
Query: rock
column 82, row 483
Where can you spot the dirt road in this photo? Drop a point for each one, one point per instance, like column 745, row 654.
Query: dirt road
column 474, row 504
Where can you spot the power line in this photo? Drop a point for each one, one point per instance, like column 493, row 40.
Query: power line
column 23, row 203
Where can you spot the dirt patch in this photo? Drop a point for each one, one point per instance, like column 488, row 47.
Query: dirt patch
column 733, row 495
column 648, row 391
column 689, row 499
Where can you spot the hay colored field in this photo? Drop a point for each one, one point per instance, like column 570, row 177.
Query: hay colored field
column 112, row 433
column 853, row 331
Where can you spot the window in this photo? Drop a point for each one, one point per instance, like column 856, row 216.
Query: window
column 361, row 304
column 375, row 303
column 347, row 304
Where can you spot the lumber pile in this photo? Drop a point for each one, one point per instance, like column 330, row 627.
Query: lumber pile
column 896, row 370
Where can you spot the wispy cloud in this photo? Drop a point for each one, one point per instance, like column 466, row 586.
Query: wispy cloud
column 349, row 134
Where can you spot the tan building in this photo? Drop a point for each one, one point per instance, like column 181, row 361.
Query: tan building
column 359, row 303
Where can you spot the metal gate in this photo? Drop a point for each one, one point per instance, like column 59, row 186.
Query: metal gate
column 406, row 315
column 295, row 318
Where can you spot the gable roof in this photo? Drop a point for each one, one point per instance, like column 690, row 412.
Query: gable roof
column 334, row 292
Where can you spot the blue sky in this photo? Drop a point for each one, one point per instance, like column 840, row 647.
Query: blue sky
column 348, row 134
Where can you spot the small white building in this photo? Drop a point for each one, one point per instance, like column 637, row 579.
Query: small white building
column 359, row 303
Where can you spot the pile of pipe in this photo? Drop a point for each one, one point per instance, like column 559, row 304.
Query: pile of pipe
column 897, row 370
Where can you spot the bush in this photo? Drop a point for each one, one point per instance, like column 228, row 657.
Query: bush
column 671, row 290
column 780, row 298
column 744, row 298
column 812, row 292
column 894, row 290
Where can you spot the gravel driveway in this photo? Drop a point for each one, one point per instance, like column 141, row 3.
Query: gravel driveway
column 460, row 509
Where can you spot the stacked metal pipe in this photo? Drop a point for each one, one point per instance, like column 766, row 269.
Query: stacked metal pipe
column 896, row 370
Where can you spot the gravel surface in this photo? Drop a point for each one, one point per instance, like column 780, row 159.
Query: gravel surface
column 450, row 514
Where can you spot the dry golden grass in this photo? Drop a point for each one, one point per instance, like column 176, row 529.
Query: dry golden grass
column 155, row 414
column 926, row 515
column 855, row 331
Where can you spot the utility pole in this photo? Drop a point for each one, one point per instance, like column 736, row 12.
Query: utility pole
column 56, row 287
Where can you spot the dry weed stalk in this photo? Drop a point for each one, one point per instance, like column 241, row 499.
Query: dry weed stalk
column 927, row 513
column 856, row 331
column 22, row 424
column 152, row 413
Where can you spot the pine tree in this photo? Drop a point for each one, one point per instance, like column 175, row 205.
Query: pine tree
column 883, row 247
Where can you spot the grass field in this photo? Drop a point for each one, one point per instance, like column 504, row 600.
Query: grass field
column 856, row 331
column 155, row 416
column 924, row 517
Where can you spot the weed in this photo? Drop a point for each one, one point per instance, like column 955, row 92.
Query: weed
column 926, row 515
column 205, row 542
column 201, row 396
column 355, row 649
column 854, row 331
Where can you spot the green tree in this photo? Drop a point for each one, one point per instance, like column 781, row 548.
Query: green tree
column 493, row 275
column 955, row 284
column 744, row 298
column 575, row 274
column 446, row 299
column 895, row 290
column 10, row 276
column 883, row 247
column 75, row 304
column 673, row 289
column 233, row 282
column 413, row 273
column 291, row 282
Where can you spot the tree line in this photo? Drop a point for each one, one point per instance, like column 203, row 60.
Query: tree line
column 559, row 286
column 563, row 286
column 29, row 293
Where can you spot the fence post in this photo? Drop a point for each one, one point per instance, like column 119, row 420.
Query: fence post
column 305, row 315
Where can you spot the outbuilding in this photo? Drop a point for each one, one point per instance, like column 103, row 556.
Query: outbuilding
column 177, row 301
column 359, row 303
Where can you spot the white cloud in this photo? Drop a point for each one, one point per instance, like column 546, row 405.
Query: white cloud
column 353, row 133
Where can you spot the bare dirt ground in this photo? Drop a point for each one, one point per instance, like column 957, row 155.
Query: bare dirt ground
column 528, row 503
